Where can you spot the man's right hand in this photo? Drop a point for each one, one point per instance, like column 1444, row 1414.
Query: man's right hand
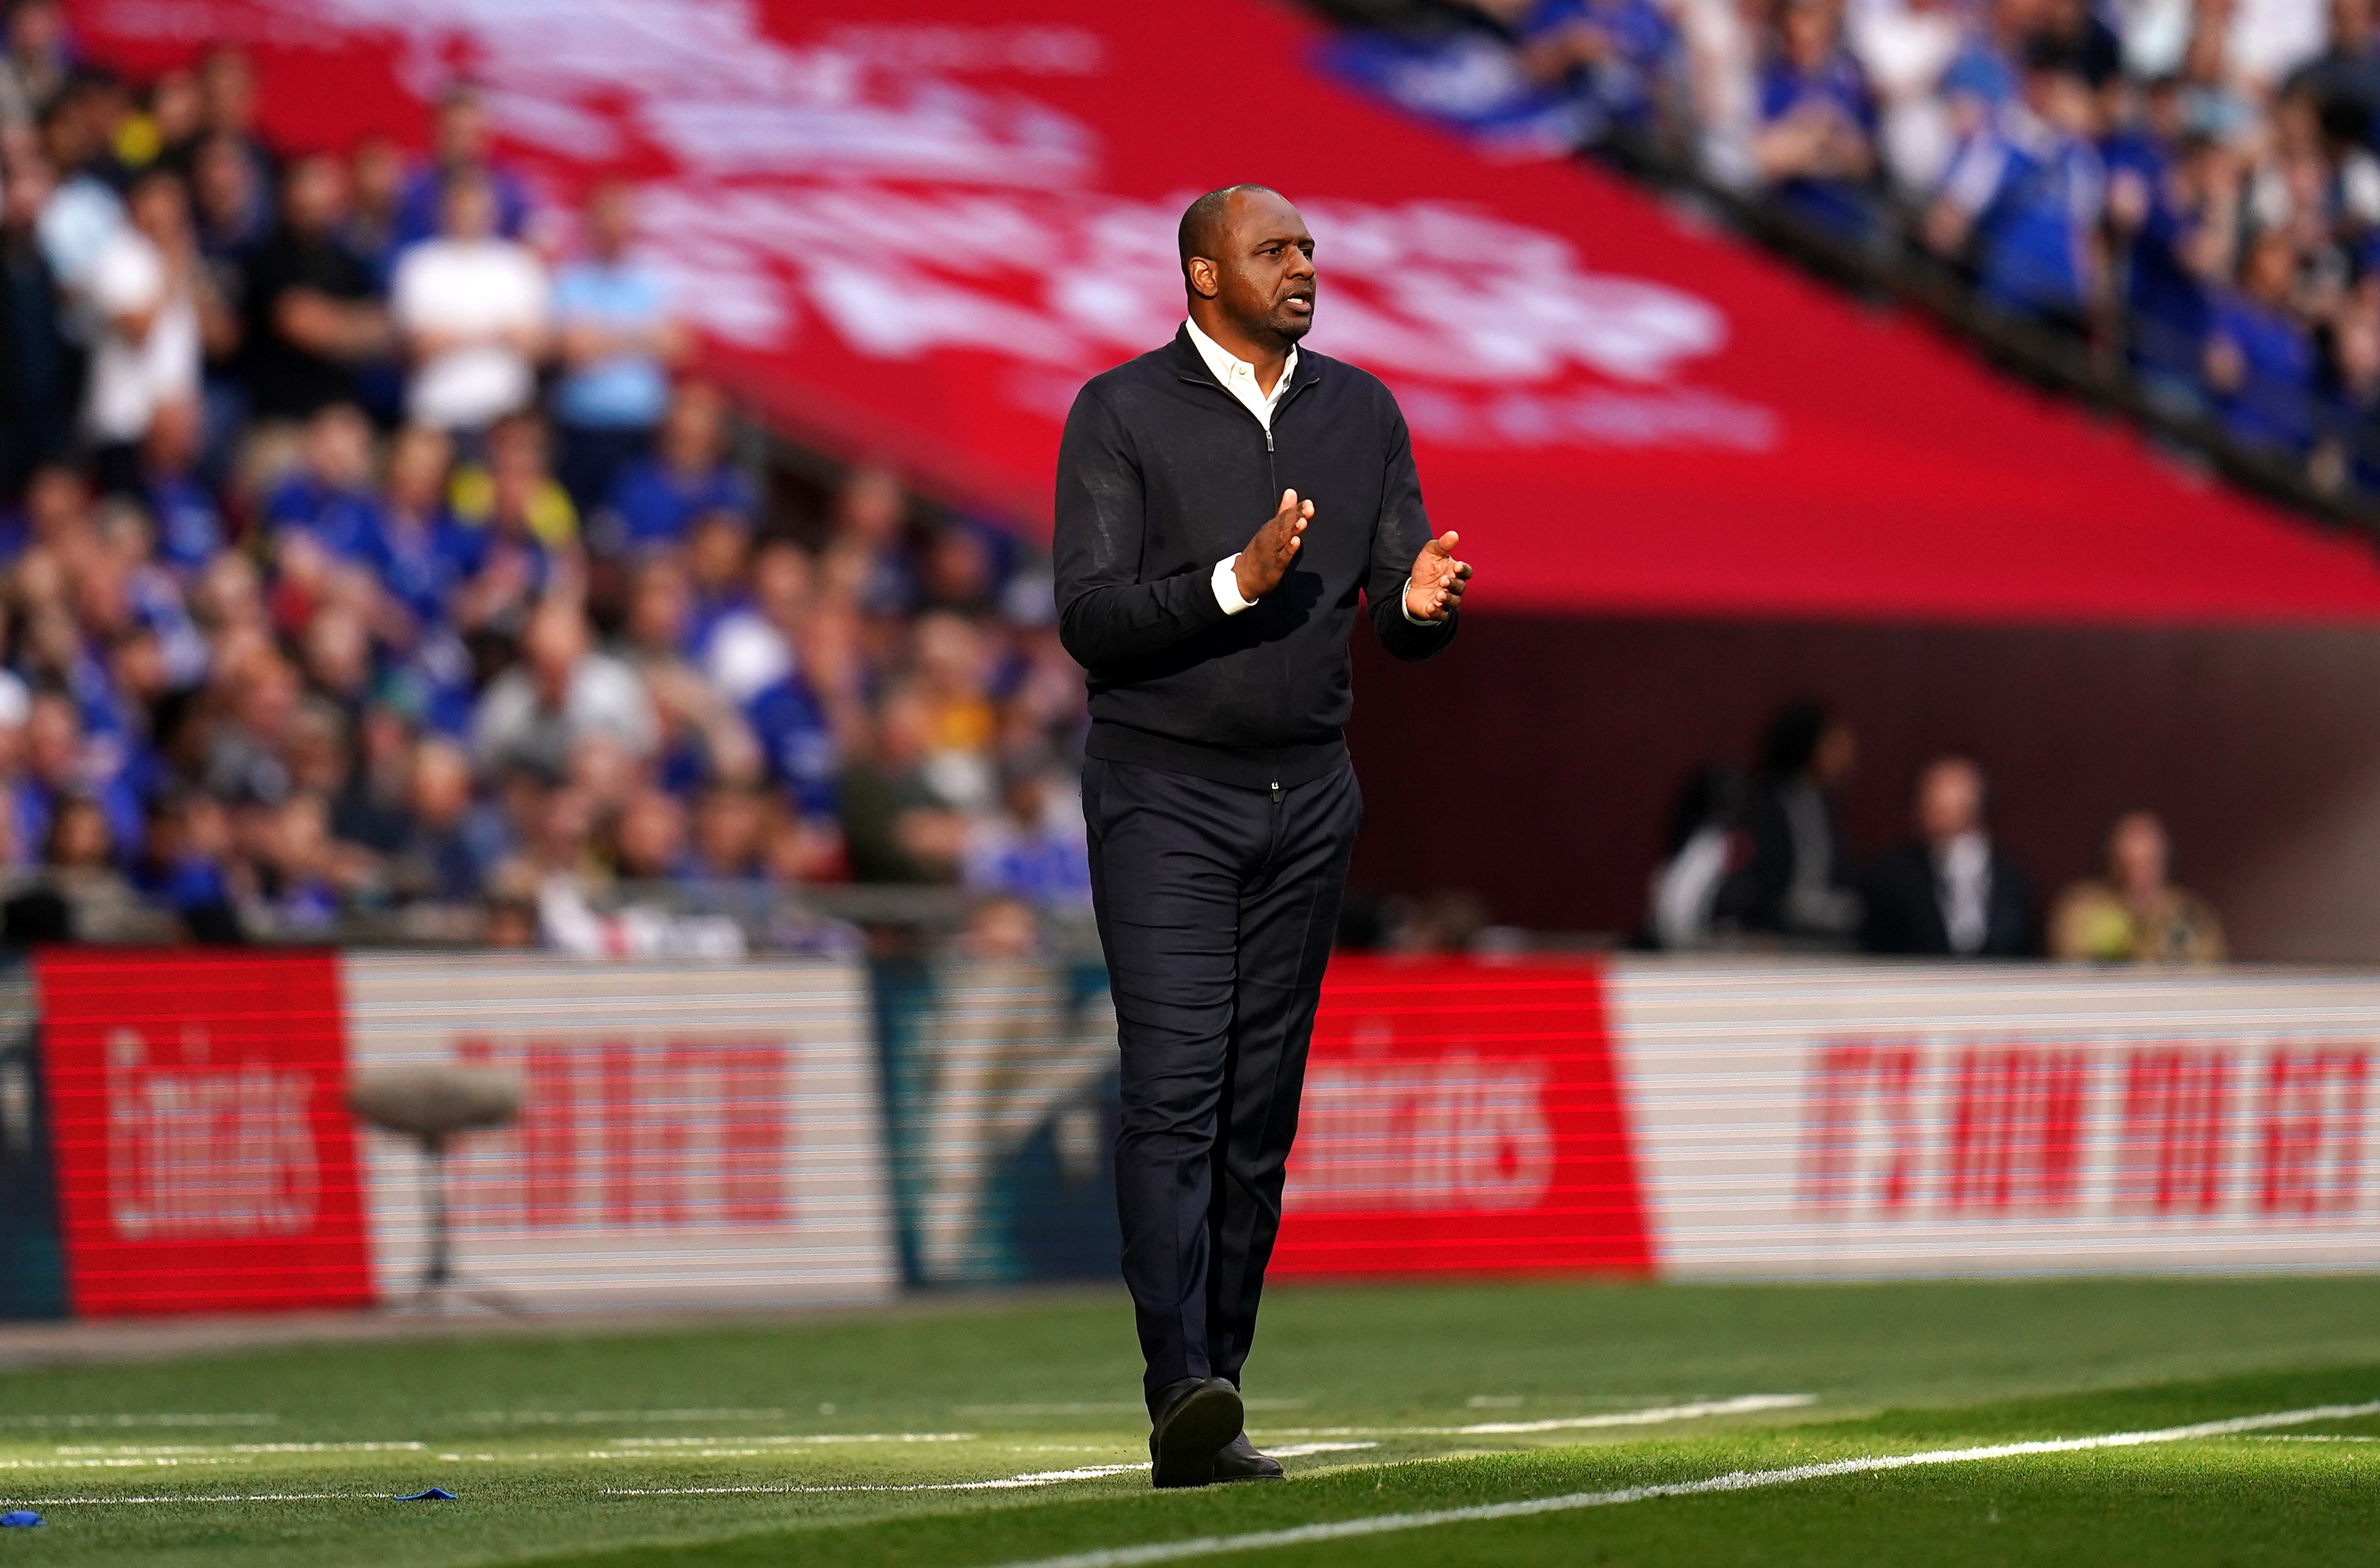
column 1266, row 560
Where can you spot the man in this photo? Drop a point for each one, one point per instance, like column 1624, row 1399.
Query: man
column 472, row 308
column 312, row 320
column 1220, row 804
column 618, row 340
column 1951, row 894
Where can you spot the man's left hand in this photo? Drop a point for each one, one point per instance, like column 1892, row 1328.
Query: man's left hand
column 1438, row 579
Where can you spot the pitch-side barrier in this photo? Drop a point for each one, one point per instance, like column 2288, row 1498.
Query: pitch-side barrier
column 174, row 1133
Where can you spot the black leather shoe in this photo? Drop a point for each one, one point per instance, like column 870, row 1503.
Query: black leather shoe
column 1239, row 1461
column 1196, row 1418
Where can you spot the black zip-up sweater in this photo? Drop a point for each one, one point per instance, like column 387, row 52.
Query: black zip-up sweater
column 1163, row 473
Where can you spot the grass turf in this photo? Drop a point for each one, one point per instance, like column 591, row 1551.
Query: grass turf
column 545, row 1437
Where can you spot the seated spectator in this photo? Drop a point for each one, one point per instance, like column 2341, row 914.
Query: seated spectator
column 515, row 489
column 656, row 499
column 231, row 208
column 1798, row 881
column 331, row 501
column 2026, row 193
column 651, row 838
column 458, row 154
column 312, row 318
column 2260, row 359
column 2134, row 913
column 437, row 859
column 618, row 341
column 143, row 289
column 188, row 522
column 534, row 715
column 869, row 557
column 1816, row 147
column 1033, row 847
column 471, row 306
column 424, row 555
column 1952, row 893
column 2349, row 452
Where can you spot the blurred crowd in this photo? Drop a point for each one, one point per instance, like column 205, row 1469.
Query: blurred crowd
column 1760, row 861
column 2190, row 187
column 367, row 546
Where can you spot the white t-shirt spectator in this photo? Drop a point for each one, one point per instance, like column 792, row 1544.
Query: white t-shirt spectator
column 473, row 288
column 130, row 376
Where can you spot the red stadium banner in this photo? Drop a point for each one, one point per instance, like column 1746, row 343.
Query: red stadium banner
column 910, row 228
column 204, row 1158
column 1461, row 1117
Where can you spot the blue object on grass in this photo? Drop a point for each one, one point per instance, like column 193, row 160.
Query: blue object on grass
column 21, row 1519
column 435, row 1494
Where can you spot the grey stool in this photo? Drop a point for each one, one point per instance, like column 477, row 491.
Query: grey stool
column 431, row 1103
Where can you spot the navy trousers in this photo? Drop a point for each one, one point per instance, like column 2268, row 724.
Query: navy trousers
column 1217, row 905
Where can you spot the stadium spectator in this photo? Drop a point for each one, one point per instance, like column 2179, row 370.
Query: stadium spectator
column 2134, row 913
column 656, row 499
column 1952, row 893
column 564, row 692
column 1699, row 849
column 1798, row 882
column 312, row 313
column 2025, row 192
column 144, row 284
column 472, row 306
column 37, row 362
column 1816, row 147
column 458, row 154
column 35, row 62
column 2260, row 359
column 618, row 342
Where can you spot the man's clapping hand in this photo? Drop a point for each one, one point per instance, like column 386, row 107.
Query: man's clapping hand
column 1266, row 560
column 1437, row 579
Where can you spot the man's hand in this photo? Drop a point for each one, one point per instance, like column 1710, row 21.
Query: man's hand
column 1266, row 560
column 1438, row 579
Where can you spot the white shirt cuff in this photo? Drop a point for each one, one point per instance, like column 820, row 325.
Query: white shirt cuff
column 1416, row 620
column 1227, row 588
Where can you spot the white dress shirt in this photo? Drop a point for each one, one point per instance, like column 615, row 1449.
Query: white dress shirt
column 1239, row 379
column 1963, row 871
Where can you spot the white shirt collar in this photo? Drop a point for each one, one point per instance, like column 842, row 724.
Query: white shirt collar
column 1239, row 376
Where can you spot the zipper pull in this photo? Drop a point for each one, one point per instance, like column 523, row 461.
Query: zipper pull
column 1276, row 790
column 1267, row 438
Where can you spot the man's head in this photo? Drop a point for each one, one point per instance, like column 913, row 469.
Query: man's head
column 2139, row 853
column 313, row 195
column 1247, row 264
column 1949, row 800
column 469, row 206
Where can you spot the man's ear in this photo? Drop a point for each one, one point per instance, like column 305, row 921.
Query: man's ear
column 1205, row 281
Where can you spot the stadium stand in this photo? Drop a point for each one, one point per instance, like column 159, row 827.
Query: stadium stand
column 375, row 566
column 2170, row 208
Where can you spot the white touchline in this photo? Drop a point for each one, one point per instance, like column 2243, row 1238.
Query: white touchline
column 1742, row 1404
column 1738, row 1480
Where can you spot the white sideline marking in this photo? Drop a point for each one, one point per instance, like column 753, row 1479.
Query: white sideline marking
column 555, row 1417
column 2296, row 1439
column 807, row 1437
column 1738, row 1480
column 1743, row 1404
column 1037, row 1478
column 1107, row 1407
column 254, row 1418
column 232, row 1497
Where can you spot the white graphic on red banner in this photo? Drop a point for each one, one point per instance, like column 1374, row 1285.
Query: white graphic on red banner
column 198, row 1150
column 896, row 185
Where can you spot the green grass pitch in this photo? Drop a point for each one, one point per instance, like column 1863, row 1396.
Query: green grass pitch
column 985, row 1433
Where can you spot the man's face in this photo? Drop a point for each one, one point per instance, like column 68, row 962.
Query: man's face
column 1949, row 801
column 1265, row 276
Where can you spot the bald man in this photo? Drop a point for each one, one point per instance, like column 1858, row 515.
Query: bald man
column 1226, row 505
